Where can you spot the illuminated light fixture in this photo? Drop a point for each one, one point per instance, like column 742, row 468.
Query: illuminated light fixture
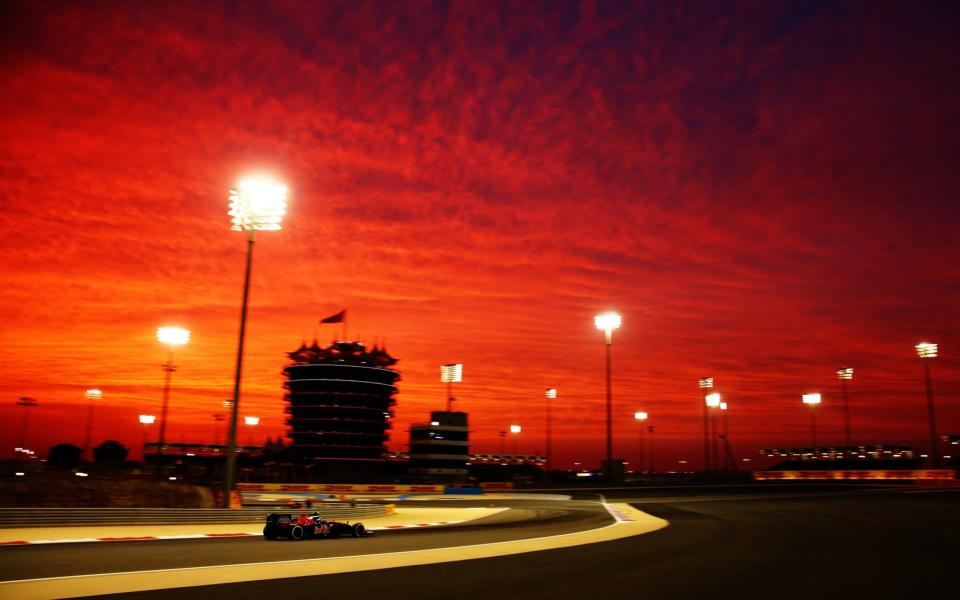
column 251, row 421
column 515, row 429
column 926, row 350
column 811, row 399
column 173, row 336
column 451, row 373
column 712, row 400
column 607, row 322
column 80, row 474
column 845, row 373
column 19, row 473
column 706, row 383
column 551, row 393
column 434, row 423
column 147, row 419
column 723, row 406
column 93, row 394
column 258, row 204
column 640, row 416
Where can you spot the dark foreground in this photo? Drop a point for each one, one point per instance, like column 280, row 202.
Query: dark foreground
column 897, row 544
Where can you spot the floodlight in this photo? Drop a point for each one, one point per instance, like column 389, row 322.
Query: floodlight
column 258, row 204
column 926, row 350
column 451, row 373
column 173, row 336
column 811, row 399
column 712, row 400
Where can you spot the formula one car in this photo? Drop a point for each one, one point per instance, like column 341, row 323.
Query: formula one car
column 285, row 525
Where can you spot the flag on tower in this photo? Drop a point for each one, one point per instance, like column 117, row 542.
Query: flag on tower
column 337, row 318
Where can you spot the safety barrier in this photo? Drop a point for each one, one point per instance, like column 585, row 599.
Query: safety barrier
column 51, row 517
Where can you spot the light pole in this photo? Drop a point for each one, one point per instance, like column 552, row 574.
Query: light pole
column 812, row 400
column 844, row 375
column 712, row 401
column 451, row 374
column 550, row 394
column 503, row 443
column 515, row 431
column 640, row 417
column 92, row 396
column 258, row 204
column 607, row 322
column 171, row 337
column 728, row 460
column 706, row 386
column 927, row 352
column 217, row 419
column 26, row 403
column 146, row 421
column 251, row 422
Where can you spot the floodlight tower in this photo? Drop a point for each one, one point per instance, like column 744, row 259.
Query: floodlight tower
column 713, row 401
column 607, row 322
column 257, row 204
column 844, row 375
column 927, row 352
column 26, row 403
column 550, row 394
column 171, row 337
column 146, row 421
column 812, row 400
column 706, row 386
column 515, row 431
column 450, row 374
column 640, row 417
column 92, row 396
column 251, row 422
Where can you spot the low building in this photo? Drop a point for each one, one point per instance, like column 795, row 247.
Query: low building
column 439, row 449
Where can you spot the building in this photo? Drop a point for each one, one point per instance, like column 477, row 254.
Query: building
column 438, row 449
column 339, row 400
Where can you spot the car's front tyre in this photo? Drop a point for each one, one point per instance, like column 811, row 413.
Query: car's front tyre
column 358, row 530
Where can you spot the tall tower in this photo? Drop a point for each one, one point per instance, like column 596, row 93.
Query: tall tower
column 339, row 399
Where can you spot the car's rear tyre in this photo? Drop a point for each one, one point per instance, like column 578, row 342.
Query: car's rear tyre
column 296, row 533
column 358, row 530
column 269, row 532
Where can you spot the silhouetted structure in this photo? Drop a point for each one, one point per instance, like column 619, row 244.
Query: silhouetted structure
column 438, row 449
column 339, row 399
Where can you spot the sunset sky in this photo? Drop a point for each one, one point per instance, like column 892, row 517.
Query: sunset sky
column 765, row 191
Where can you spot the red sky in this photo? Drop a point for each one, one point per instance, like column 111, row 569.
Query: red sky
column 765, row 192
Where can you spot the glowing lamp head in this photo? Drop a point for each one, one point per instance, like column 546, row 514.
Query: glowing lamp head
column 173, row 336
column 712, row 400
column 607, row 321
column 258, row 204
column 515, row 429
column 845, row 373
column 148, row 419
column 926, row 350
column 551, row 393
column 452, row 373
column 93, row 394
column 640, row 416
column 811, row 399
column 251, row 421
column 706, row 383
column 723, row 406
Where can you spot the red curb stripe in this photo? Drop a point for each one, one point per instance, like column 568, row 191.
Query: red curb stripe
column 125, row 539
column 227, row 534
column 14, row 543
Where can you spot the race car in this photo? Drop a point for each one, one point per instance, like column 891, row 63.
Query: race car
column 285, row 525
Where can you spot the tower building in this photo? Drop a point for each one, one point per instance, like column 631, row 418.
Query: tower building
column 339, row 401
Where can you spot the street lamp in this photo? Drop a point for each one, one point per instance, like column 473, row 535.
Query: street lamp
column 92, row 396
column 171, row 337
column 927, row 352
column 27, row 403
column 706, row 384
column 257, row 204
column 515, row 430
column 146, row 421
column 251, row 422
column 844, row 375
column 451, row 374
column 550, row 394
column 713, row 401
column 607, row 322
column 812, row 400
column 640, row 417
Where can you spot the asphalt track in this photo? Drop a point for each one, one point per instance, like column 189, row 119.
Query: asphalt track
column 748, row 542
